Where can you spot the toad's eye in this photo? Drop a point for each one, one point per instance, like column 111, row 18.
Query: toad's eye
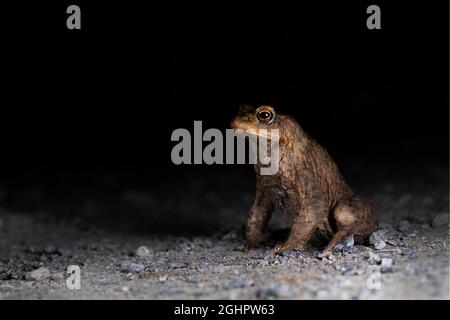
column 264, row 116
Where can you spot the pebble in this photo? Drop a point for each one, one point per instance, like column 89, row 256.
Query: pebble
column 6, row 288
column 273, row 291
column 348, row 241
column 131, row 276
column 386, row 265
column 50, row 249
column 351, row 271
column 349, row 250
column 409, row 253
column 291, row 254
column 143, row 252
column 38, row 274
column 376, row 240
column 178, row 265
column 131, row 267
column 239, row 282
column 160, row 268
column 441, row 220
column 231, row 235
column 373, row 258
column 163, row 279
column 66, row 252
column 262, row 255
column 380, row 245
column 191, row 278
column 32, row 249
column 186, row 246
column 346, row 245
column 203, row 243
column 326, row 256
column 124, row 289
column 395, row 242
column 58, row 276
column 403, row 226
column 420, row 270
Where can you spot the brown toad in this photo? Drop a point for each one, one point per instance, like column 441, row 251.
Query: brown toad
column 308, row 188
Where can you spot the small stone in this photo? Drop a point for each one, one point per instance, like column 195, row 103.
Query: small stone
column 262, row 255
column 143, row 252
column 93, row 247
column 373, row 258
column 323, row 255
column 394, row 241
column 32, row 249
column 131, row 276
column 380, row 245
column 387, row 262
column 66, row 252
column 163, row 279
column 186, row 246
column 239, row 282
column 376, row 239
column 322, row 294
column 231, row 235
column 207, row 244
column 386, row 226
column 441, row 220
column 386, row 265
column 191, row 278
column 338, row 248
column 327, row 256
column 38, row 274
column 203, row 243
column 124, row 289
column 58, row 276
column 159, row 269
column 291, row 254
column 420, row 270
column 403, row 226
column 348, row 250
column 409, row 253
column 50, row 249
column 274, row 290
column 351, row 271
column 178, row 265
column 6, row 288
column 131, row 267
column 348, row 241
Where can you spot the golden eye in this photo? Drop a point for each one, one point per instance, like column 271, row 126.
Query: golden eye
column 265, row 116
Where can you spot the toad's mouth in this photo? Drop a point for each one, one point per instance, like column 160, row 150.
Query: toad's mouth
column 248, row 128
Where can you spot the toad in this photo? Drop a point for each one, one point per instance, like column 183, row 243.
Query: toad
column 308, row 189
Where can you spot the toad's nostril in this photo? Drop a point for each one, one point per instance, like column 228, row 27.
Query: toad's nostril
column 245, row 108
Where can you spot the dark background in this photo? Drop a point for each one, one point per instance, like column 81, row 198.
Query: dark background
column 104, row 100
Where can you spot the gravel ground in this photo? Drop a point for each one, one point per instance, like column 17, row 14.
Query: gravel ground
column 138, row 243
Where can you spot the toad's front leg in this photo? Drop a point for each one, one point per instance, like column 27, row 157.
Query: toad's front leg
column 258, row 218
column 303, row 227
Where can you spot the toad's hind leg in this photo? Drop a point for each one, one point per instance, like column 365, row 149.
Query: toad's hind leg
column 355, row 216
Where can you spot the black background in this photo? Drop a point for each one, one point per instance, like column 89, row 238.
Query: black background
column 105, row 99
